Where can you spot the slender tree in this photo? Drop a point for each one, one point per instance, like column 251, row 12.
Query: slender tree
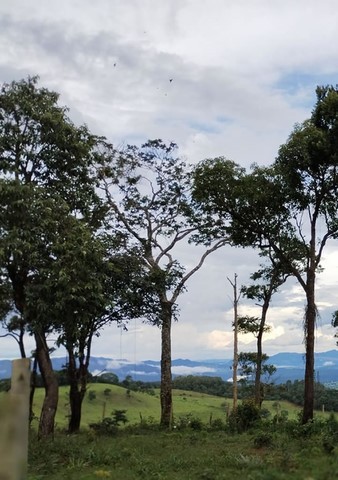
column 236, row 297
column 272, row 277
column 148, row 192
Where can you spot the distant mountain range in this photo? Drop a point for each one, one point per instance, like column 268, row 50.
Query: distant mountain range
column 290, row 366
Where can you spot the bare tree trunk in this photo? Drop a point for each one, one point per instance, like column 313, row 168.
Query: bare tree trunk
column 310, row 323
column 235, row 359
column 166, row 380
column 47, row 417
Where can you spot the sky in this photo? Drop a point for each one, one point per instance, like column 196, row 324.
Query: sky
column 243, row 73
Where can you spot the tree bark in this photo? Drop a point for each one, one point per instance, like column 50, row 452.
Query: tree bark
column 258, row 389
column 77, row 381
column 166, row 380
column 47, row 417
column 310, row 324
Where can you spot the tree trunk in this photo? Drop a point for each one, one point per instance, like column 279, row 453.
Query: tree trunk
column 75, row 399
column 310, row 323
column 235, row 358
column 76, row 392
column 166, row 382
column 47, row 417
column 258, row 389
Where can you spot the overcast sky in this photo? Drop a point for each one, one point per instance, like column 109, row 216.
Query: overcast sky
column 243, row 73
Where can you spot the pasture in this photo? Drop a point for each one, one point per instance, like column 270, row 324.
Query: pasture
column 204, row 450
column 102, row 399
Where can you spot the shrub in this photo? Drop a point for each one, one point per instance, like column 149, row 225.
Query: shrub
column 244, row 417
column 217, row 424
column 263, row 439
column 91, row 395
column 109, row 425
column 188, row 421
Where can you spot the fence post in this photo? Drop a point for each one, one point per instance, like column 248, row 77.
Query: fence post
column 14, row 423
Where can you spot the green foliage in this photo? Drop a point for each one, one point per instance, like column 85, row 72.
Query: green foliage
column 244, row 417
column 181, row 455
column 203, row 384
column 91, row 395
column 109, row 425
column 263, row 440
column 5, row 385
column 189, row 421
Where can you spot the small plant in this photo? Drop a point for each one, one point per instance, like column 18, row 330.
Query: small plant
column 91, row 395
column 196, row 424
column 217, row 424
column 188, row 421
column 107, row 392
column 263, row 439
column 328, row 444
column 109, row 425
column 244, row 417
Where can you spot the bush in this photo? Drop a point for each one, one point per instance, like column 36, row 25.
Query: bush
column 109, row 425
column 244, row 417
column 263, row 439
column 188, row 421
column 107, row 392
column 91, row 395
column 217, row 424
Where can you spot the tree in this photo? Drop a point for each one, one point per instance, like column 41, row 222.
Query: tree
column 236, row 330
column 273, row 277
column 45, row 167
column 78, row 282
column 290, row 208
column 148, row 192
column 249, row 364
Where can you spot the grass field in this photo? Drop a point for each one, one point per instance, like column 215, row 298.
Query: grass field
column 142, row 405
column 181, row 455
column 269, row 451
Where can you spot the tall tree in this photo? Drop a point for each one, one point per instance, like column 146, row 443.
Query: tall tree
column 148, row 192
column 290, row 207
column 41, row 150
column 74, row 294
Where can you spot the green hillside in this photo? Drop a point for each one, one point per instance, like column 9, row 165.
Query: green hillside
column 142, row 405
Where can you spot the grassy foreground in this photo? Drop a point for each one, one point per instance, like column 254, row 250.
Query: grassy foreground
column 204, row 449
column 186, row 455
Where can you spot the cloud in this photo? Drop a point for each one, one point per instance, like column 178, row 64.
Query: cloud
column 183, row 370
column 243, row 74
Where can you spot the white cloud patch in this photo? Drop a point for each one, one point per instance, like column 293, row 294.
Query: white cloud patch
column 185, row 370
